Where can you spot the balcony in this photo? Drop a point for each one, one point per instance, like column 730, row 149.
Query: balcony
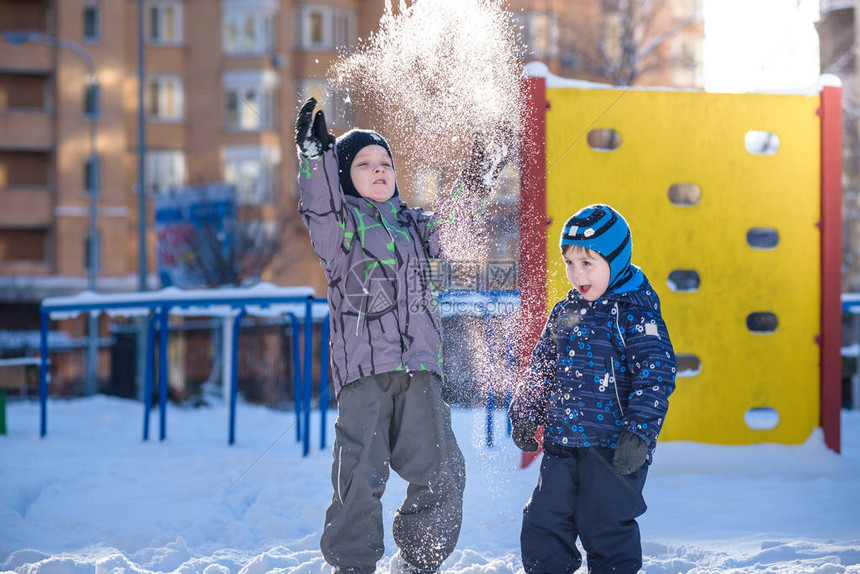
column 23, row 250
column 26, row 129
column 24, row 269
column 32, row 58
column 26, row 206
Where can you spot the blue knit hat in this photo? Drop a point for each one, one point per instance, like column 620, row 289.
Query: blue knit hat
column 602, row 229
column 348, row 145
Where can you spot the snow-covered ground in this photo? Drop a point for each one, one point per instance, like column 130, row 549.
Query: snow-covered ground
column 92, row 497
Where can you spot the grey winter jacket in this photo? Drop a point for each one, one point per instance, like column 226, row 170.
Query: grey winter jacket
column 376, row 258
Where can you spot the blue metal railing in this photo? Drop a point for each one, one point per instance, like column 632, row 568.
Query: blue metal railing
column 301, row 311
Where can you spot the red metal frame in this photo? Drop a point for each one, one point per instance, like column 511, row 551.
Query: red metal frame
column 533, row 220
column 830, row 339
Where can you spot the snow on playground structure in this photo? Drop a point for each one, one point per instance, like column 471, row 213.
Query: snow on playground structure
column 757, row 229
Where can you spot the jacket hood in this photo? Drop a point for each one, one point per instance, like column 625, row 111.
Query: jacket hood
column 636, row 290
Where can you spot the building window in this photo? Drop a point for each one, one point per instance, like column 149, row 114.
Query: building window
column 92, row 23
column 250, row 97
column 87, row 250
column 253, row 171
column 316, row 34
column 248, row 31
column 165, row 170
column 249, row 109
column 23, row 244
column 336, row 105
column 166, row 98
column 166, row 22
column 325, row 27
column 687, row 55
column 687, row 8
column 92, row 177
column 91, row 99
column 540, row 31
column 342, row 28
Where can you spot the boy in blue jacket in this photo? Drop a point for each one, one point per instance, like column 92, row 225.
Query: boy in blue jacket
column 598, row 381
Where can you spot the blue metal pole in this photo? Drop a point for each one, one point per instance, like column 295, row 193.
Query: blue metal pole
column 297, row 375
column 43, row 373
column 234, row 375
column 324, row 358
column 162, row 374
column 148, row 373
column 308, row 371
column 491, row 401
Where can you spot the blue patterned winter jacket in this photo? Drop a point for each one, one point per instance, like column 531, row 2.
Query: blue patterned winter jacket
column 600, row 368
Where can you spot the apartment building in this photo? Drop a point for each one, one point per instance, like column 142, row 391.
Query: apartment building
column 222, row 81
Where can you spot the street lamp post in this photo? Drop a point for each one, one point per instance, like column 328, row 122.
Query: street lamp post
column 94, row 179
column 142, row 329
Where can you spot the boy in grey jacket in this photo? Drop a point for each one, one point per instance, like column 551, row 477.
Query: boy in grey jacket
column 386, row 354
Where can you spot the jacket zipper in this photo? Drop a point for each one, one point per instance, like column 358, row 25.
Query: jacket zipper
column 612, row 363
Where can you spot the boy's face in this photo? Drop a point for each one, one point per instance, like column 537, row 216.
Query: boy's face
column 372, row 173
column 587, row 271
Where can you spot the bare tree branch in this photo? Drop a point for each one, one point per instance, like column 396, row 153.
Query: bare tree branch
column 627, row 42
column 235, row 249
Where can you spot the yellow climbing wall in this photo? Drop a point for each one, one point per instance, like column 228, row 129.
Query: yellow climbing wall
column 671, row 137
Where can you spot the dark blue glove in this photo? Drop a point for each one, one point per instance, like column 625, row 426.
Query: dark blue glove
column 312, row 136
column 630, row 453
column 523, row 432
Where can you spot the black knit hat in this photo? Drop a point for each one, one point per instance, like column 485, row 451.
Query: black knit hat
column 348, row 145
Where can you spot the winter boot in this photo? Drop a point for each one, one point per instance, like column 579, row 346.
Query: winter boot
column 399, row 565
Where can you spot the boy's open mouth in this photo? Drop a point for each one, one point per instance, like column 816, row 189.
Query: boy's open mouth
column 379, row 181
column 584, row 289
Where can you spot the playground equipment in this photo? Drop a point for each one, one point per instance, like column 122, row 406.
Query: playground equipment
column 298, row 303
column 734, row 201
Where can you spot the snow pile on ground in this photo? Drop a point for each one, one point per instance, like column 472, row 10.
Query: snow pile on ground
column 92, row 497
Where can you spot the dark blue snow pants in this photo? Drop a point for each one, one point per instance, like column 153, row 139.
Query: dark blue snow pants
column 579, row 494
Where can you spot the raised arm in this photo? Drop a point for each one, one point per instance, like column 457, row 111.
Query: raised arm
column 320, row 199
column 466, row 205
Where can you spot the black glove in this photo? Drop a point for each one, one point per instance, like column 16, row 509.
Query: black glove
column 312, row 137
column 630, row 453
column 489, row 156
column 523, row 433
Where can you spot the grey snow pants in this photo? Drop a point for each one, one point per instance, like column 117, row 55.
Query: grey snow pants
column 397, row 419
